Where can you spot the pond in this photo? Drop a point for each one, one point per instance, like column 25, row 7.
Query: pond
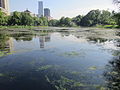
column 81, row 59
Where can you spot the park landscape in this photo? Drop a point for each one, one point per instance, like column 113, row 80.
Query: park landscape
column 79, row 53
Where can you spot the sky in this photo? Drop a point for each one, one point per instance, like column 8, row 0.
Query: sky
column 59, row 8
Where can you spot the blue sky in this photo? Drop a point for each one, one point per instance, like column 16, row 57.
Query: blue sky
column 61, row 8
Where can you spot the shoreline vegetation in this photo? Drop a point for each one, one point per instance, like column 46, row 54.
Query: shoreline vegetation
column 93, row 19
column 46, row 28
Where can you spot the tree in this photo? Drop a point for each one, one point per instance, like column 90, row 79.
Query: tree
column 53, row 22
column 77, row 20
column 38, row 21
column 15, row 19
column 106, row 18
column 44, row 21
column 117, row 15
column 117, row 18
column 3, row 18
column 61, row 22
column 91, row 19
column 66, row 22
column 26, row 19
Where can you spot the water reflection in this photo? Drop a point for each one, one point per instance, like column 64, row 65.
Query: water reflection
column 22, row 36
column 44, row 39
column 112, row 73
column 72, row 62
column 6, row 44
column 97, row 40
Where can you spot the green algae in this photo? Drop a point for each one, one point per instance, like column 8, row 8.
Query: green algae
column 92, row 68
column 1, row 54
column 2, row 75
column 45, row 67
column 71, row 54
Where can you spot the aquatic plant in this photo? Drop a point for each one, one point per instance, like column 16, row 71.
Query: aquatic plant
column 1, row 54
column 71, row 54
column 44, row 67
column 92, row 68
column 1, row 75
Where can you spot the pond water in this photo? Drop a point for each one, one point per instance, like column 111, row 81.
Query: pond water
column 82, row 59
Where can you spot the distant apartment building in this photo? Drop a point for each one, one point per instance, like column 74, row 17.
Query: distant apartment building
column 47, row 13
column 40, row 8
column 4, row 6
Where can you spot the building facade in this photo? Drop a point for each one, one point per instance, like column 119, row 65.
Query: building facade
column 47, row 13
column 4, row 5
column 40, row 8
column 29, row 12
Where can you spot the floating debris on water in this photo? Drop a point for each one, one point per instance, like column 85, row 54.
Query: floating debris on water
column 92, row 68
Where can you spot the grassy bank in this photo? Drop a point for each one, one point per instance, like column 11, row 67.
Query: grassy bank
column 33, row 27
column 108, row 26
column 24, row 27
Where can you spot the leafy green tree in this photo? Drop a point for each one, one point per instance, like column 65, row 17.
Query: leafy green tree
column 41, row 23
column 66, row 22
column 53, row 22
column 15, row 19
column 106, row 17
column 77, row 20
column 44, row 21
column 3, row 18
column 36, row 21
column 62, row 22
column 117, row 17
column 26, row 19
column 91, row 19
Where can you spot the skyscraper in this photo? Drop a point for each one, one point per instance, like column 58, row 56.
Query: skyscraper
column 46, row 12
column 4, row 5
column 40, row 8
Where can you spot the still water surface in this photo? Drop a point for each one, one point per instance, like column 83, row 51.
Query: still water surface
column 79, row 60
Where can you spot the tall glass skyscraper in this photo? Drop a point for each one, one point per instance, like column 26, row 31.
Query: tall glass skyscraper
column 46, row 12
column 40, row 8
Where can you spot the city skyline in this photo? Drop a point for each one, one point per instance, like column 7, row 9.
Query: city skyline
column 61, row 8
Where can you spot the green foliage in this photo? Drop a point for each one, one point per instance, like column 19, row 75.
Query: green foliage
column 23, row 18
column 117, row 18
column 44, row 21
column 107, row 18
column 20, row 18
column 66, row 22
column 3, row 18
column 44, row 67
column 97, row 17
column 15, row 19
column 77, row 20
column 93, row 18
column 38, row 21
column 53, row 22
column 26, row 19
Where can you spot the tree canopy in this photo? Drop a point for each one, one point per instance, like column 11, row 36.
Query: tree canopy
column 94, row 17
